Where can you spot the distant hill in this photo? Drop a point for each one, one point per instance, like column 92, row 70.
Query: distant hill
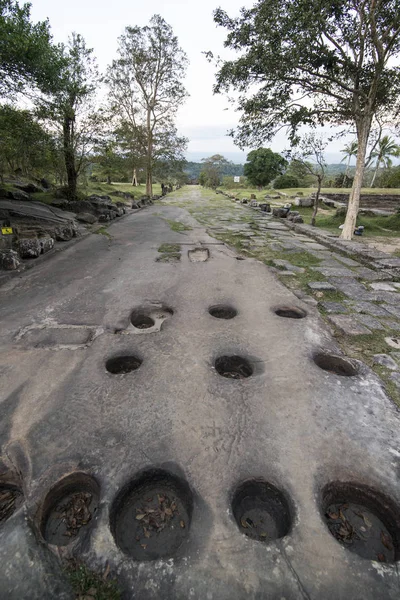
column 193, row 169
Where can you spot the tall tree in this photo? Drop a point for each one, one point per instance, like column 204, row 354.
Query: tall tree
column 27, row 54
column 349, row 151
column 387, row 148
column 309, row 153
column 146, row 84
column 263, row 166
column 70, row 108
column 212, row 171
column 314, row 62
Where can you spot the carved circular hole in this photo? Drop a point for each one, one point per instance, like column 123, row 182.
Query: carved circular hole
column 362, row 520
column 261, row 511
column 11, row 498
column 233, row 367
column 222, row 311
column 151, row 516
column 141, row 321
column 335, row 364
column 69, row 509
column 120, row 365
column 290, row 312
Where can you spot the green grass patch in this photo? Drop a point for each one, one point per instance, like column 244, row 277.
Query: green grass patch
column 169, row 257
column 165, row 248
column 103, row 231
column 178, row 226
column 86, row 583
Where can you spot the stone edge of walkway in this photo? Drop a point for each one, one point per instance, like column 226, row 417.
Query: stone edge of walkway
column 363, row 254
column 6, row 276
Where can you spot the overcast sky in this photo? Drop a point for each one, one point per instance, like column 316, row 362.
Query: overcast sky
column 205, row 118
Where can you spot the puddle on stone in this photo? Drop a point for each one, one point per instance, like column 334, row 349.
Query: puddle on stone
column 363, row 521
column 199, row 255
column 290, row 312
column 69, row 509
column 261, row 511
column 150, row 518
column 233, row 367
column 222, row 311
column 11, row 499
column 336, row 364
column 120, row 365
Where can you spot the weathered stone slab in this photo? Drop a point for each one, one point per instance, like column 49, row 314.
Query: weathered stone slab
column 348, row 325
column 383, row 287
column 386, row 361
column 390, row 262
column 393, row 310
column 334, row 272
column 351, row 288
column 315, row 246
column 9, row 260
column 333, row 307
column 368, row 308
column 347, row 261
column 395, row 377
column 288, row 266
column 369, row 321
column 391, row 324
column 321, row 286
column 370, row 275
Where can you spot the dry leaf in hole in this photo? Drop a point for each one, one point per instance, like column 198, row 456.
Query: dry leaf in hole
column 146, row 533
column 334, row 516
column 381, row 558
column 106, row 572
column 144, row 546
column 367, row 521
column 386, row 540
column 140, row 517
column 182, row 524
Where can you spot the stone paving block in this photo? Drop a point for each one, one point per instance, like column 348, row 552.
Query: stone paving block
column 333, row 307
column 368, row 308
column 351, row 288
column 288, row 266
column 395, row 377
column 370, row 275
column 391, row 262
column 348, row 325
column 382, row 286
column 393, row 310
column 334, row 272
column 386, row 361
column 315, row 246
column 389, row 297
column 347, row 261
column 391, row 324
column 369, row 321
column 321, row 286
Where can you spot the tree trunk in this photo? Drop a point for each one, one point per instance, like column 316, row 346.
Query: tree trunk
column 109, row 179
column 346, row 172
column 149, row 166
column 363, row 130
column 316, row 202
column 375, row 174
column 134, row 178
column 69, row 158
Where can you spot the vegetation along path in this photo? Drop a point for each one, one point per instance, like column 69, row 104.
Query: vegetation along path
column 179, row 422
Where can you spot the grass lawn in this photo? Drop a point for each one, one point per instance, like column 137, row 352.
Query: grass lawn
column 246, row 192
column 102, row 189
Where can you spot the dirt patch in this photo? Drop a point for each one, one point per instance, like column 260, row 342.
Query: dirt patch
column 384, row 244
column 222, row 311
column 11, row 498
column 336, row 364
column 69, row 509
column 233, row 367
column 120, row 365
column 171, row 257
column 261, row 511
column 150, row 518
column 290, row 312
column 362, row 520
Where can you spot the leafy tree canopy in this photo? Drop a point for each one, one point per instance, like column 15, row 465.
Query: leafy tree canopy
column 27, row 55
column 263, row 166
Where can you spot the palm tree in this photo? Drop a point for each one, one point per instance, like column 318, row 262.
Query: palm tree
column 387, row 148
column 350, row 150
